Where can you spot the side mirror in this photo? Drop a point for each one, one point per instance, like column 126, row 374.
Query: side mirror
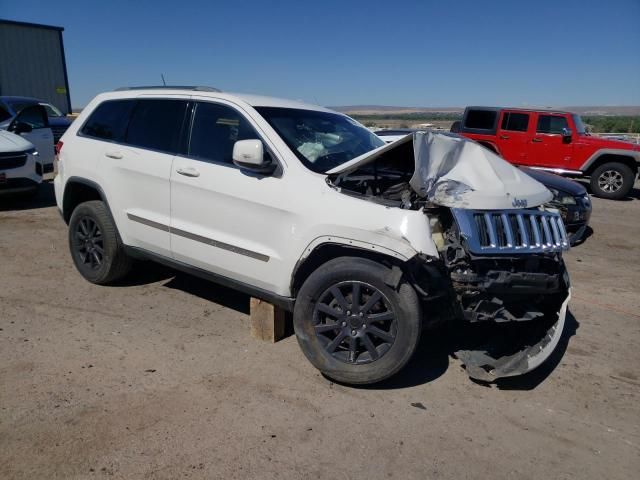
column 250, row 155
column 20, row 127
column 566, row 135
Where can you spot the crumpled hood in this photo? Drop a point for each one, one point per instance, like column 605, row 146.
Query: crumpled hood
column 459, row 173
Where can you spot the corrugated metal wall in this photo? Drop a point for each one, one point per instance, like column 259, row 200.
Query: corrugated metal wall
column 32, row 64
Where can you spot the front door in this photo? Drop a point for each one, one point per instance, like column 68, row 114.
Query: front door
column 224, row 219
column 41, row 135
column 513, row 136
column 548, row 147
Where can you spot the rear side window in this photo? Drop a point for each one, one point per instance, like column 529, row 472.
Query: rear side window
column 156, row 124
column 215, row 129
column 481, row 119
column 551, row 124
column 109, row 120
column 515, row 122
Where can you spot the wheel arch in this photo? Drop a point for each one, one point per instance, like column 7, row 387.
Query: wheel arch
column 421, row 270
column 606, row 157
column 78, row 190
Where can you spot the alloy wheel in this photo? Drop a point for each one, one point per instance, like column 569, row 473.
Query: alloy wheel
column 610, row 181
column 355, row 322
column 89, row 243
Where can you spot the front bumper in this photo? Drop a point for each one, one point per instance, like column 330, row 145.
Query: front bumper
column 511, row 288
column 486, row 365
column 21, row 179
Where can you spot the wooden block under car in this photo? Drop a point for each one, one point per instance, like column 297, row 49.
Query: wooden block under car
column 267, row 321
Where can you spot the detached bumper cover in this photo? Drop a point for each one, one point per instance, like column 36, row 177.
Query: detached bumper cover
column 485, row 366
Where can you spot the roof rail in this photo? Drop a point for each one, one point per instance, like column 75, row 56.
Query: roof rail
column 170, row 87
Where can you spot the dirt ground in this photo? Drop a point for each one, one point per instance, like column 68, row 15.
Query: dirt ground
column 158, row 378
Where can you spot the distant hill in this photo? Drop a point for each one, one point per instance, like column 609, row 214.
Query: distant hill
column 386, row 110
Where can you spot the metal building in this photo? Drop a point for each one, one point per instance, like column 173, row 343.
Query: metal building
column 32, row 63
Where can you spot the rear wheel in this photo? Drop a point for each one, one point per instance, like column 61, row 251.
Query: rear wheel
column 95, row 245
column 354, row 327
column 612, row 180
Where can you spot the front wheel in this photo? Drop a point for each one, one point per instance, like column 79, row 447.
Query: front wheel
column 612, row 180
column 352, row 326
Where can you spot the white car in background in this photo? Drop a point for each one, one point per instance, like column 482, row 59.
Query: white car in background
column 32, row 123
column 389, row 135
column 20, row 167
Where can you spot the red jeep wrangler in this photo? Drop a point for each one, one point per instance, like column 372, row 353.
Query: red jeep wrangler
column 554, row 141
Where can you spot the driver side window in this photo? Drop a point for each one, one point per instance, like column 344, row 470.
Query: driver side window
column 216, row 128
column 551, row 124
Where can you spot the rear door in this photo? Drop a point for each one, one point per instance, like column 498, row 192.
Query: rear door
column 134, row 164
column 513, row 136
column 41, row 135
column 548, row 148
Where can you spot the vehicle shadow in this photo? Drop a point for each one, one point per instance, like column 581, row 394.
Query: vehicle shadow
column 587, row 233
column 144, row 273
column 211, row 292
column 431, row 360
column 43, row 199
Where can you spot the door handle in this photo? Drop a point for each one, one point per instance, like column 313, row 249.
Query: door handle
column 536, row 140
column 188, row 172
column 504, row 137
column 113, row 154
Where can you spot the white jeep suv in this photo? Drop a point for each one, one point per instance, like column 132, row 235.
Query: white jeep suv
column 364, row 242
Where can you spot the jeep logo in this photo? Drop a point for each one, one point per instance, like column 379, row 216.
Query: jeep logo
column 519, row 203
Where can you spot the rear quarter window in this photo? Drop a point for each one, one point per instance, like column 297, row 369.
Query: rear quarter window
column 480, row 119
column 109, row 120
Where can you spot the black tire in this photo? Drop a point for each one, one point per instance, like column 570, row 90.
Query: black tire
column 391, row 342
column 98, row 253
column 612, row 180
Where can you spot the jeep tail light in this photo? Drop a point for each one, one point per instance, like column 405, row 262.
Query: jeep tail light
column 59, row 147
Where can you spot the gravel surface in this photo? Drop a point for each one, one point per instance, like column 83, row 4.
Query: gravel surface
column 158, row 378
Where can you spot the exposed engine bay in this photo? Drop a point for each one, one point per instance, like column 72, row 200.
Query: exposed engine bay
column 386, row 180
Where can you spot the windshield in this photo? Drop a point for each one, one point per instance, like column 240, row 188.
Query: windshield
column 321, row 140
column 51, row 110
column 580, row 130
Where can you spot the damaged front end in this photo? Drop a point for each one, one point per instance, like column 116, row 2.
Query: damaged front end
column 500, row 248
column 510, row 285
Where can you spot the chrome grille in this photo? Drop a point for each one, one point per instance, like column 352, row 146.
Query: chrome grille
column 511, row 231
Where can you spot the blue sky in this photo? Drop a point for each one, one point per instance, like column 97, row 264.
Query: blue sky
column 351, row 52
